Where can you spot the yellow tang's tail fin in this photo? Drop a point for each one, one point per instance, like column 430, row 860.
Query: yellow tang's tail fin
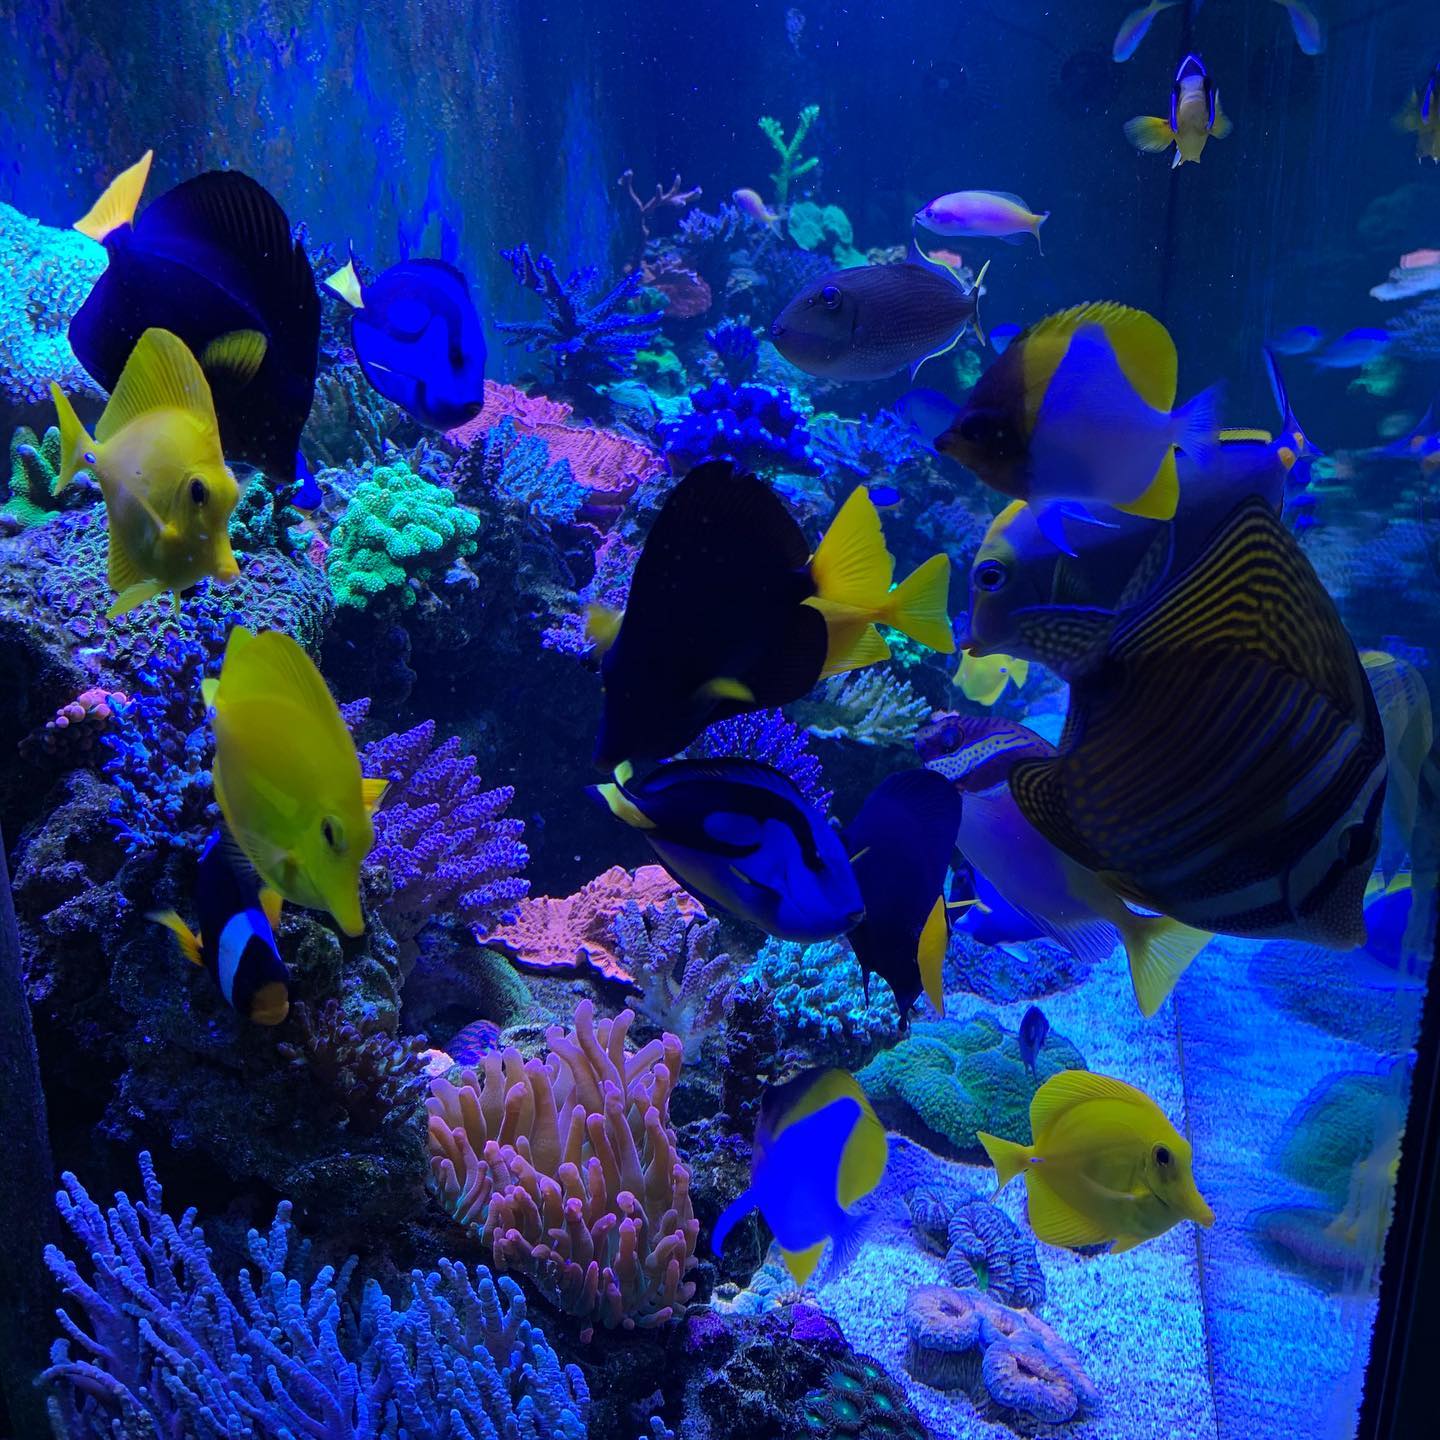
column 852, row 567
column 189, row 941
column 75, row 443
column 116, row 207
column 919, row 605
column 1008, row 1158
column 1160, row 950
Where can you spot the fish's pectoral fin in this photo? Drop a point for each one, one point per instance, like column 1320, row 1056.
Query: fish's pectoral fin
column 1149, row 133
column 346, row 284
column 1222, row 125
column 117, row 204
column 133, row 596
column 235, row 357
column 189, row 941
column 209, row 689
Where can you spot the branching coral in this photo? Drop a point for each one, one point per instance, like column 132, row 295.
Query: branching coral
column 757, row 427
column 373, row 1078
column 737, row 349
column 517, row 470
column 791, row 167
column 568, row 1169
column 869, row 707
column 588, row 338
column 766, row 735
column 350, row 421
column 398, row 531
column 867, row 450
column 608, row 588
column 166, row 1350
column 683, row 978
column 34, row 473
column 669, row 199
column 445, row 841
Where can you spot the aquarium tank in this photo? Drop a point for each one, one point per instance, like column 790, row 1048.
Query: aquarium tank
column 718, row 721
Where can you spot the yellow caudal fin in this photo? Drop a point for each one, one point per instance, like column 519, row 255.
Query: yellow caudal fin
column 920, row 605
column 235, row 357
column 372, row 792
column 116, row 207
column 161, row 374
column 852, row 567
column 1159, row 499
column 189, row 941
column 801, row 1263
column 209, row 689
column 602, row 625
column 1150, row 133
column 346, row 284
column 621, row 806
column 931, row 954
column 75, row 443
column 1008, row 1158
column 1160, row 949
column 853, row 645
column 1222, row 126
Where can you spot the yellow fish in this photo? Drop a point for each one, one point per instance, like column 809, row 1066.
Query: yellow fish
column 156, row 453
column 287, row 777
column 1195, row 117
column 1106, row 1165
column 983, row 678
column 1421, row 117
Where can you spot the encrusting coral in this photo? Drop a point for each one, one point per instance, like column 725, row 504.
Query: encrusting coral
column 165, row 1349
column 567, row 1168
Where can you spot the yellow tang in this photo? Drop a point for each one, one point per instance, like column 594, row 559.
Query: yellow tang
column 156, row 453
column 983, row 678
column 1106, row 1165
column 287, row 777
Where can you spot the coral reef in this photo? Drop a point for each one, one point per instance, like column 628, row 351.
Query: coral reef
column 398, row 531
column 949, row 1078
column 858, row 1399
column 757, row 427
column 737, row 350
column 868, row 707
column 1014, row 1366
column 1003, row 974
column 568, row 1169
column 767, row 735
column 825, row 228
column 871, row 450
column 684, row 979
column 608, row 589
column 71, row 736
column 45, row 275
column 817, row 996
column 517, row 470
column 34, row 473
column 667, row 200
column 988, row 1252
column 790, row 167
column 576, row 935
column 352, row 422
column 164, row 1348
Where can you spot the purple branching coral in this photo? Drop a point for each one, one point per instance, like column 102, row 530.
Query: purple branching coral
column 374, row 1078
column 164, row 1349
column 767, row 735
column 684, row 983
column 445, row 840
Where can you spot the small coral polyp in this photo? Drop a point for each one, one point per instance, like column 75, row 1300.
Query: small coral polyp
column 568, row 1169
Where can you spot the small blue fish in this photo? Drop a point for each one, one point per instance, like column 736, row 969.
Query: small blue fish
column 1353, row 349
column 1297, row 340
column 1387, row 914
column 1308, row 34
column 819, row 1149
column 739, row 836
column 308, row 495
column 1034, row 1027
column 1135, row 27
column 884, row 497
column 418, row 339
column 236, row 943
column 927, row 412
column 1002, row 335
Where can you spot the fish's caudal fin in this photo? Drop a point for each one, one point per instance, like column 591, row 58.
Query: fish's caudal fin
column 1035, row 231
column 920, row 605
column 117, row 206
column 1008, row 1158
column 977, row 289
column 189, row 941
column 75, row 443
column 848, row 1241
column 730, row 1217
column 346, row 284
column 1160, row 950
column 1197, row 426
column 1149, row 133
column 613, row 797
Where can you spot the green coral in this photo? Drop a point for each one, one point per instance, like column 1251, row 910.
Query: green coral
column 825, row 228
column 34, row 473
column 398, row 530
column 791, row 167
column 950, row 1079
column 661, row 368
column 262, row 521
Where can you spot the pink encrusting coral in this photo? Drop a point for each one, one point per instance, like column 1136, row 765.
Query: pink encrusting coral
column 576, row 934
column 568, row 1168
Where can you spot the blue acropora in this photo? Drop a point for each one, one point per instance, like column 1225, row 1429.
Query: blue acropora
column 757, row 427
column 737, row 347
column 517, row 470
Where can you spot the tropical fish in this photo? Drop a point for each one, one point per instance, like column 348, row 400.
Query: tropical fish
column 1308, row 34
column 1422, row 117
column 1223, row 760
column 1135, row 26
column 236, row 943
column 874, row 320
column 212, row 261
column 1107, row 1166
column 1035, row 877
column 900, row 846
column 1353, row 349
column 307, row 495
column 1002, row 335
column 1195, row 116
column 729, row 612
column 287, row 778
column 1388, row 907
column 992, row 920
column 819, row 1149
column 1405, row 716
column 993, row 213
column 156, row 453
column 739, row 836
column 418, row 339
column 1034, row 1028
column 983, row 679
column 884, row 497
column 749, row 204
column 1079, row 407
column 1298, row 340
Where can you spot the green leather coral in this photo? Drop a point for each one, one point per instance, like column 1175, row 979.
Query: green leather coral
column 398, row 529
column 951, row 1078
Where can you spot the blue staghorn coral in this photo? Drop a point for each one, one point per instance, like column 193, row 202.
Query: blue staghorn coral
column 517, row 470
column 168, row 1350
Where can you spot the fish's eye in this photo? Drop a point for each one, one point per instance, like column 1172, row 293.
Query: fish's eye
column 199, row 493
column 1163, row 1158
column 331, row 834
column 830, row 297
column 991, row 575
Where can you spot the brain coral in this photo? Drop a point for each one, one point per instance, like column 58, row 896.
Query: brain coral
column 950, row 1078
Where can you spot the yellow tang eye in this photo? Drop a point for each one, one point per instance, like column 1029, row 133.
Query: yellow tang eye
column 333, row 834
column 1163, row 1158
column 199, row 493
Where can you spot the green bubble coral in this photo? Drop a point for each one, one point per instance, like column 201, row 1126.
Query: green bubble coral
column 399, row 530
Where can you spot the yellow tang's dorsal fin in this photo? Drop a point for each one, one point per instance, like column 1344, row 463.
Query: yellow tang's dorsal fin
column 372, row 792
column 274, row 666
column 931, row 954
column 1070, row 1088
column 161, row 374
column 1142, row 345
column 116, row 207
column 852, row 565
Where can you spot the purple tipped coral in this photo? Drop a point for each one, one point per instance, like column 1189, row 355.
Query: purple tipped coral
column 768, row 736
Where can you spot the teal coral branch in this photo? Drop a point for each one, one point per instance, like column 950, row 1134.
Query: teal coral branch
column 791, row 168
